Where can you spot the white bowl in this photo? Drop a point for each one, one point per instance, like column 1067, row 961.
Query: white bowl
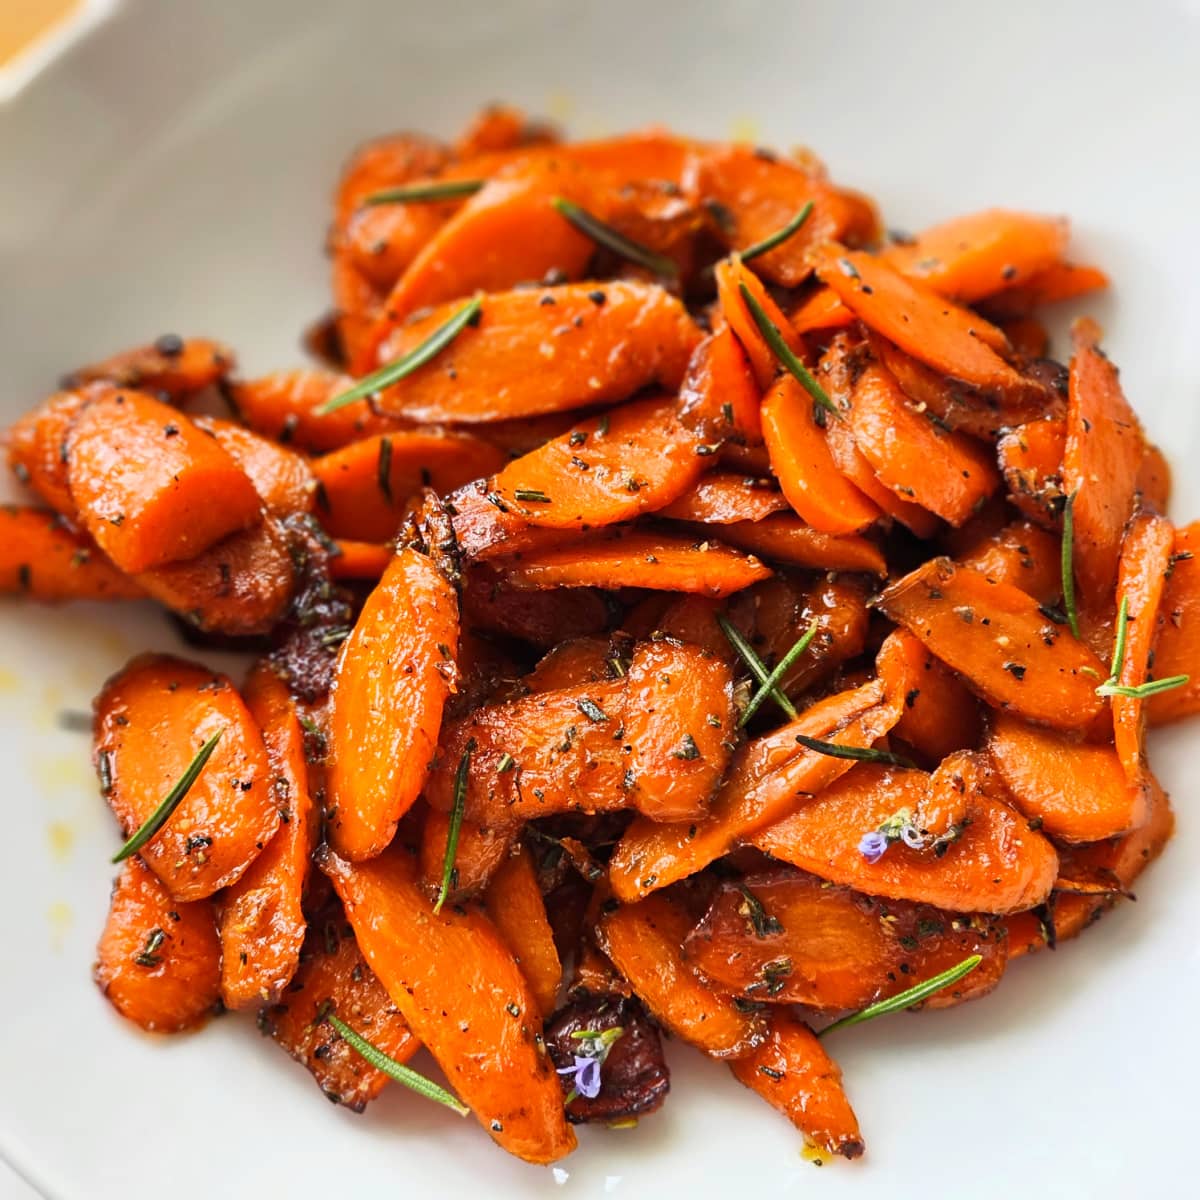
column 171, row 172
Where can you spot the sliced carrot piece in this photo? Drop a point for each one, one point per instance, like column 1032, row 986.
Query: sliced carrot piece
column 1031, row 458
column 360, row 560
column 282, row 478
column 732, row 274
column 644, row 942
column 997, row 865
column 634, row 459
column 1100, row 463
column 500, row 127
column 719, row 397
column 724, row 498
column 587, row 352
column 1177, row 651
column 1062, row 281
column 485, row 531
column 333, row 977
column 514, row 902
column 150, row 487
column 1063, row 916
column 766, row 779
column 792, row 1072
column 381, row 240
column 1078, row 792
column 37, row 446
column 577, row 661
column 1023, row 555
column 151, row 719
column 492, row 603
column 43, row 558
column 1028, row 337
column 174, row 365
column 787, row 539
column 647, row 560
column 463, row 995
column 386, row 162
column 969, row 258
column 260, row 918
column 367, row 484
column 823, row 309
column 482, row 850
column 801, row 460
column 1154, row 479
column 997, row 638
column 393, row 676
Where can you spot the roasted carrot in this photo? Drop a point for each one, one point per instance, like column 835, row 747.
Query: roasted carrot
column 173, row 365
column 481, row 852
column 1101, row 460
column 1177, row 651
column 1031, row 458
column 462, row 993
column 260, row 917
column 484, row 531
column 1064, row 915
column 493, row 604
column 724, row 498
column 515, row 904
column 1154, row 479
column 159, row 959
column 1062, row 281
column 823, row 309
column 282, row 478
column 644, row 942
column 1025, row 556
column 732, row 275
column 151, row 719
column 43, row 558
column 588, row 351
column 787, row 539
column 37, row 446
column 394, row 673
column 150, row 486
column 719, row 396
column 385, row 162
column 997, row 638
column 360, row 560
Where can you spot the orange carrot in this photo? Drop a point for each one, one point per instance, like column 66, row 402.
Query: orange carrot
column 724, row 498
column 37, row 446
column 174, row 365
column 1154, row 479
column 281, row 477
column 360, row 560
column 719, row 396
column 1031, row 458
column 823, row 309
column 731, row 275
column 787, row 539
column 1025, row 556
column 1062, row 281
column 1177, row 651
column 515, row 904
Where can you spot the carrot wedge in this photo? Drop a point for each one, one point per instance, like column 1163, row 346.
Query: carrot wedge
column 482, row 850
column 997, row 638
column 792, row 1072
column 1177, row 650
column 732, row 274
column 174, row 365
column 644, row 942
column 719, row 396
column 1031, row 458
column 724, row 498
column 1021, row 554
column 587, row 352
column 393, row 676
column 463, row 995
column 37, row 446
column 151, row 719
column 785, row 538
column 159, row 960
column 281, row 477
column 1062, row 281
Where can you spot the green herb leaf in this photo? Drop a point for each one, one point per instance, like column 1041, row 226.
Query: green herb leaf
column 780, row 669
column 397, row 1071
column 406, row 364
column 1068, row 564
column 456, row 819
column 592, row 710
column 1150, row 688
column 425, row 193
column 761, row 921
column 857, row 753
column 780, row 235
column 170, row 802
column 530, row 496
column 757, row 668
column 914, row 995
column 614, row 240
column 783, row 353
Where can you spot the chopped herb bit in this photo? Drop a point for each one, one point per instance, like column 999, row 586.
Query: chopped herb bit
column 1068, row 564
column 747, row 654
column 778, row 672
column 780, row 235
column 592, row 710
column 461, row 775
column 760, row 920
column 857, row 753
column 425, row 193
column 530, row 496
column 688, row 749
column 148, row 955
column 612, row 239
column 506, row 763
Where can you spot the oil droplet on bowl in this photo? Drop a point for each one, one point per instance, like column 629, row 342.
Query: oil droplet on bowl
column 813, row 1154
column 745, row 129
column 62, row 840
column 60, row 917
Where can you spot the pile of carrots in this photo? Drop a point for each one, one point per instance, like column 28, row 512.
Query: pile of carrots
column 676, row 605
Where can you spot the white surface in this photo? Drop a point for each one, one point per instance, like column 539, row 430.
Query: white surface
column 171, row 173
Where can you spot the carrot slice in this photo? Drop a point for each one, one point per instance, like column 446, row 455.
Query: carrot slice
column 385, row 162
column 1177, row 651
column 1100, row 464
column 823, row 309
column 159, row 960
column 724, row 498
column 587, row 352
column 731, row 274
column 1031, row 458
column 172, row 365
column 969, row 258
column 1023, row 555
column 514, row 902
column 1062, row 281
column 792, row 1073
column 151, row 487
column 360, row 560
column 261, row 922
column 151, row 719
column 997, row 638
column 1078, row 792
column 37, row 446
column 719, row 396
column 804, row 466
column 1154, row 479
column 644, row 942
column 787, row 539
column 485, row 531
column 493, row 603
column 1063, row 916
column 43, row 558
column 281, row 477
column 333, row 977
column 482, row 850
column 393, row 676
column 997, row 865
column 647, row 560
column 635, row 459
column 367, row 484
column 463, row 995
column 767, row 778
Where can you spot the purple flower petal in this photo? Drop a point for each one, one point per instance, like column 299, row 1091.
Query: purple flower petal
column 873, row 845
column 567, row 1070
column 587, row 1081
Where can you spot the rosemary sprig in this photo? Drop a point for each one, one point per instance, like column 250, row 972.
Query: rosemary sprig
column 397, row 1071
column 1150, row 688
column 170, row 802
column 777, row 673
column 757, row 667
column 857, row 753
column 456, row 819
column 783, row 352
column 406, row 364
column 1118, row 658
column 905, row 999
column 780, row 235
column 614, row 240
column 425, row 193
column 1068, row 564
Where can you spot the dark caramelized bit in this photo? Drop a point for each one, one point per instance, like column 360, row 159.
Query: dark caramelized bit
column 634, row 1079
column 430, row 529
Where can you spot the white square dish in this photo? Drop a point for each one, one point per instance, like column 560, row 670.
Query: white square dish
column 172, row 172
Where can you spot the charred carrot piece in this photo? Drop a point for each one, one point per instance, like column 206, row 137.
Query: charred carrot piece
column 463, row 995
column 282, row 478
column 151, row 718
column 719, row 398
column 492, row 603
column 174, row 365
column 732, row 275
column 1031, row 458
column 1177, row 651
column 997, row 638
column 393, row 676
column 159, row 959
column 43, row 558
column 486, row 531
column 724, row 498
column 1065, row 915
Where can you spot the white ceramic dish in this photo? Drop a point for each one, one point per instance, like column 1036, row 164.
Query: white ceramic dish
column 171, row 172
